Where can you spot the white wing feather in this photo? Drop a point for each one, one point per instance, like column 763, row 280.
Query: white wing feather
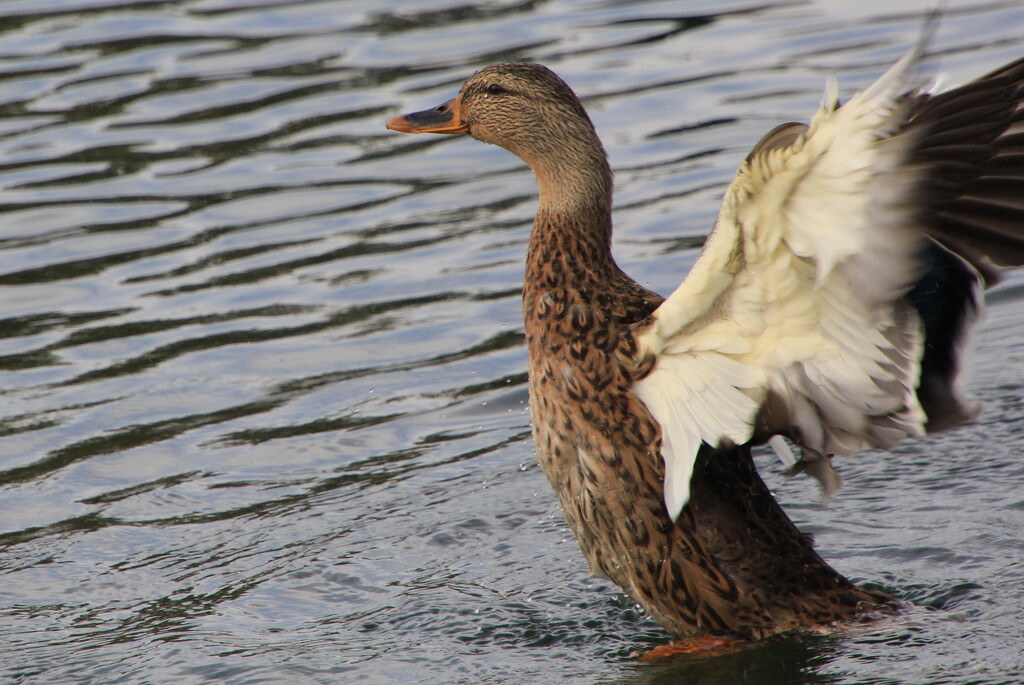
column 798, row 294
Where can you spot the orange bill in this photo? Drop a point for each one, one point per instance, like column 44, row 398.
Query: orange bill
column 444, row 118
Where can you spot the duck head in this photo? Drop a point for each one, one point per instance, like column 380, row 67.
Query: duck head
column 531, row 112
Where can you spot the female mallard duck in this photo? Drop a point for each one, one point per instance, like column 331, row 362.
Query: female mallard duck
column 828, row 306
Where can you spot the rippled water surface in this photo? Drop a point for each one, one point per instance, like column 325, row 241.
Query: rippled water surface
column 264, row 406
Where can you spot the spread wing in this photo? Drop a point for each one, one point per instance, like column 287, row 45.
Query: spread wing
column 807, row 312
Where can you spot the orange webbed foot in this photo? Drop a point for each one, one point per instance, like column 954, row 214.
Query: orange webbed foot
column 694, row 647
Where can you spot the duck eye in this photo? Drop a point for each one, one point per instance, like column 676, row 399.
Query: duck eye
column 495, row 89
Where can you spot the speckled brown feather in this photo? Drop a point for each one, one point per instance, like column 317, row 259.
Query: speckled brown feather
column 733, row 562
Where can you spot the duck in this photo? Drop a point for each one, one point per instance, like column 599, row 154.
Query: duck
column 828, row 313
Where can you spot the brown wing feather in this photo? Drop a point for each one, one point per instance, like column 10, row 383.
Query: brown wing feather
column 971, row 143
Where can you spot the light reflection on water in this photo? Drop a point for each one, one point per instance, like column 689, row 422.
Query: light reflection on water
column 263, row 366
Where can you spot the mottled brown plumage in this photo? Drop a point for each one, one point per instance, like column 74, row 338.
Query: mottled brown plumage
column 732, row 563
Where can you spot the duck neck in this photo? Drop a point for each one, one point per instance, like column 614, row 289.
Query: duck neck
column 574, row 177
column 570, row 245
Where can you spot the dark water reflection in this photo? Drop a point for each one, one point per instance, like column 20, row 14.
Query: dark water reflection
column 261, row 360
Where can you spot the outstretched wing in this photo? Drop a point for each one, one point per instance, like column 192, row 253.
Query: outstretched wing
column 798, row 318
